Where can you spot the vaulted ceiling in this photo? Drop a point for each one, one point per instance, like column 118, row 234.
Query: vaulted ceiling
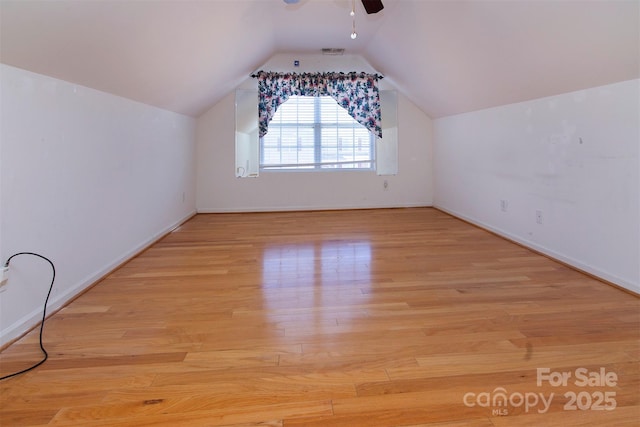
column 447, row 56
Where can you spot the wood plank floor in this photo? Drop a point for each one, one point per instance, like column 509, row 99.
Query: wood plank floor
column 391, row 317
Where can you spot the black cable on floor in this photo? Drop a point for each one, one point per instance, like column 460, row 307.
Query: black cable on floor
column 44, row 313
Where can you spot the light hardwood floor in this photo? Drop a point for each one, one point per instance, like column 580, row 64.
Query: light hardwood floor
column 390, row 317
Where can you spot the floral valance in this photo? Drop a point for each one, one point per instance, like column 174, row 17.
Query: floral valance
column 356, row 92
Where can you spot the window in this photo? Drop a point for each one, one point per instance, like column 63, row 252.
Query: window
column 314, row 132
column 248, row 141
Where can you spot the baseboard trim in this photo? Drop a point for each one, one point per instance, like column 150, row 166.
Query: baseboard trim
column 569, row 262
column 29, row 322
column 309, row 208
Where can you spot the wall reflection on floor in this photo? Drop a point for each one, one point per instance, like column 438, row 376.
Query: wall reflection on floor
column 308, row 276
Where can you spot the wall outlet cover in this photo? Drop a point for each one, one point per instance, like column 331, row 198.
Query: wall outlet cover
column 4, row 275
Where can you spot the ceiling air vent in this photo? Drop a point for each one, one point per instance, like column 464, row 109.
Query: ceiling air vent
column 332, row 51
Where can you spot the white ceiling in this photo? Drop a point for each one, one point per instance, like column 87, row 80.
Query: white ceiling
column 447, row 56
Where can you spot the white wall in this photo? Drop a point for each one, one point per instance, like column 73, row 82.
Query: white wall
column 572, row 156
column 219, row 191
column 87, row 179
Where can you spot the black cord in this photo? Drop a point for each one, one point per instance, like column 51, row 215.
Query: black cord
column 44, row 313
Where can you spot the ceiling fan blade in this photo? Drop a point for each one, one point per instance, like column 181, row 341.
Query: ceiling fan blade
column 372, row 6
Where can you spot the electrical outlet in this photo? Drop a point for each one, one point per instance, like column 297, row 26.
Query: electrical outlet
column 385, row 185
column 539, row 216
column 4, row 275
column 504, row 205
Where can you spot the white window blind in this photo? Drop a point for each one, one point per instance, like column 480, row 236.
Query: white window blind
column 316, row 133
